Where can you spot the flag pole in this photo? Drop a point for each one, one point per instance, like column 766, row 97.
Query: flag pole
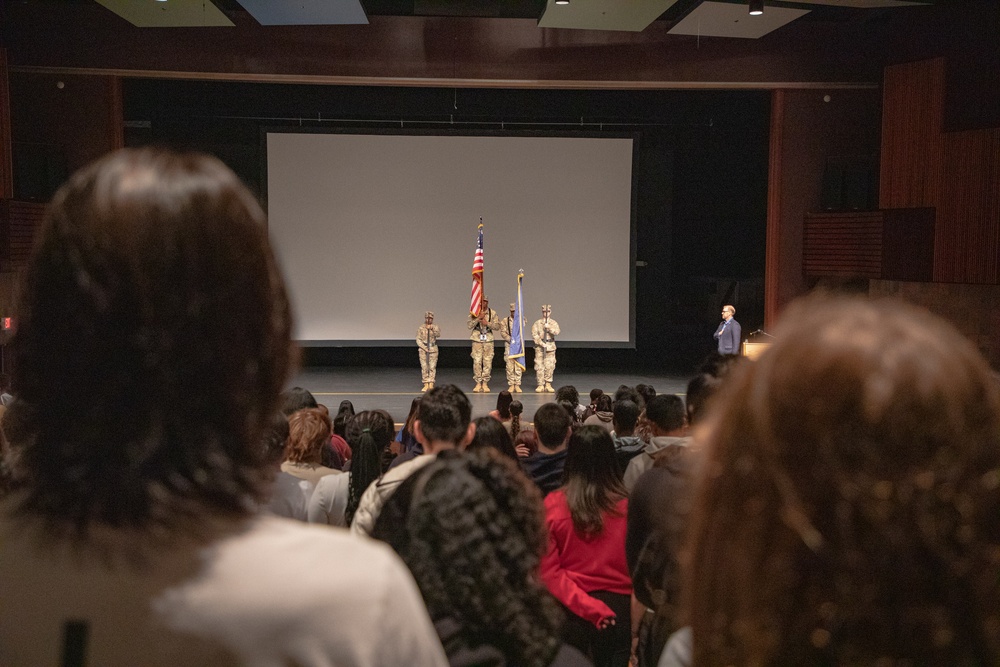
column 482, row 276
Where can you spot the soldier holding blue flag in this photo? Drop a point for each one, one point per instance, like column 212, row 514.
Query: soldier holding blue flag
column 514, row 369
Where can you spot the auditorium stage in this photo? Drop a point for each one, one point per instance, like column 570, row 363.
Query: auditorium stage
column 393, row 389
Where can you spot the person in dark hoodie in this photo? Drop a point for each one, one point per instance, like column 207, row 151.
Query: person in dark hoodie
column 604, row 414
column 476, row 515
column 627, row 444
column 553, row 426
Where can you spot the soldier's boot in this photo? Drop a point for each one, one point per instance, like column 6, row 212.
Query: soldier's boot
column 424, row 388
column 486, row 388
column 540, row 389
column 549, row 389
column 511, row 389
column 430, row 385
column 479, row 388
column 517, row 388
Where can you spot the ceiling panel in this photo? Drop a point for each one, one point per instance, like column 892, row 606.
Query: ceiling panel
column 306, row 12
column 724, row 19
column 628, row 15
column 168, row 14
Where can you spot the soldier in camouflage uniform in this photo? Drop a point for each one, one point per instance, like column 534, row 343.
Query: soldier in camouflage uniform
column 482, row 329
column 544, row 332
column 427, row 336
column 513, row 369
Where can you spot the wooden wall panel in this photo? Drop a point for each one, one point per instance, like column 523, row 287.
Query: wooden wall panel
column 845, row 245
column 967, row 240
column 19, row 222
column 912, row 146
column 6, row 147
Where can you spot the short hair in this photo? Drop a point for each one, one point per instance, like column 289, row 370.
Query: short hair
column 594, row 393
column 308, row 433
column 152, row 344
column 666, row 411
column 626, row 393
column 492, row 434
column 646, row 391
column 296, row 399
column 445, row 413
column 551, row 423
column 867, row 443
column 700, row 389
column 604, row 403
column 626, row 415
column 731, row 309
column 568, row 393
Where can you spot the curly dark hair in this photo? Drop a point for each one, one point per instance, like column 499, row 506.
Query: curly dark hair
column 152, row 345
column 473, row 537
column 847, row 512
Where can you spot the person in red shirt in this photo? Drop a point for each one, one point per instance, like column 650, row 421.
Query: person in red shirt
column 585, row 566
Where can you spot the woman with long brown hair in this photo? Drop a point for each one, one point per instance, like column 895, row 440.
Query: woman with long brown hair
column 585, row 567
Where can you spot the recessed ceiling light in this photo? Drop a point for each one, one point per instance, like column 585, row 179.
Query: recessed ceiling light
column 562, row 2
column 756, row 7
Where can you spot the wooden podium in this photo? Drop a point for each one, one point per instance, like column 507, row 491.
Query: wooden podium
column 753, row 349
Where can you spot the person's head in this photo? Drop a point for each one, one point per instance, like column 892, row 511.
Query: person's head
column 552, row 425
column 512, row 310
column 592, row 478
column 443, row 419
column 368, row 433
column 486, row 305
column 626, row 393
column 428, row 318
column 275, row 439
column 700, row 389
column 504, row 399
column 296, row 399
column 625, row 417
column 570, row 410
column 308, row 433
column 411, row 416
column 153, row 293
column 646, row 393
column 546, row 310
column 604, row 403
column 848, row 511
column 344, row 414
column 595, row 394
column 516, row 409
column 728, row 312
column 493, row 434
column 720, row 365
column 666, row 414
column 478, row 515
column 527, row 438
column 568, row 393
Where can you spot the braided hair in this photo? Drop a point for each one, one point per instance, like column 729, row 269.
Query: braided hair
column 369, row 434
column 516, row 408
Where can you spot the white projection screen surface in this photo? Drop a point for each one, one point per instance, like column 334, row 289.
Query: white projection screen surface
column 372, row 230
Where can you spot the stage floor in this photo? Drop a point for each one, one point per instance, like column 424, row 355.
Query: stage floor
column 393, row 389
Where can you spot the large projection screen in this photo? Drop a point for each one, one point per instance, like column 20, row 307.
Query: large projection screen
column 371, row 230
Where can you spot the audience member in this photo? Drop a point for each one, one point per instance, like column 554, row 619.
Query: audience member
column 646, row 392
column 296, row 399
column 491, row 434
column 604, row 414
column 848, row 508
column 478, row 515
column 336, row 497
column 526, row 443
column 338, row 440
column 504, row 399
column 288, row 494
column 443, row 423
column 309, row 434
column 585, row 566
column 569, row 393
column 625, row 416
column 516, row 410
column 553, row 426
column 666, row 417
column 152, row 292
column 407, row 441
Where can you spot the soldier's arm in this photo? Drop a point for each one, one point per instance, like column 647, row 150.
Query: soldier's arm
column 553, row 327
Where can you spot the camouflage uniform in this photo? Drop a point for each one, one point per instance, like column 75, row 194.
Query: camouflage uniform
column 427, row 336
column 543, row 332
column 482, row 348
column 513, row 369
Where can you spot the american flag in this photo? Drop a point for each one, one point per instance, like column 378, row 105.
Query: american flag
column 477, row 277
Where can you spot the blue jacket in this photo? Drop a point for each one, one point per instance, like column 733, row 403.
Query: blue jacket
column 728, row 334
